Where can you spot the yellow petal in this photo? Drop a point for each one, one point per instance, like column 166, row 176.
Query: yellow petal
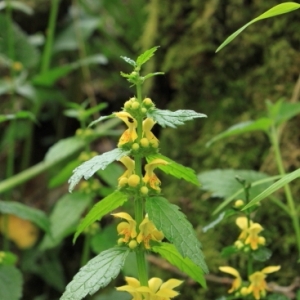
column 123, row 215
column 132, row 281
column 230, row 270
column 171, row 284
column 270, row 269
column 154, row 284
column 242, row 222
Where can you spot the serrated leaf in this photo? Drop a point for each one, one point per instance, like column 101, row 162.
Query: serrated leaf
column 102, row 118
column 129, row 60
column 170, row 253
column 65, row 217
column 176, row 229
column 261, row 254
column 274, row 187
column 173, row 118
column 274, row 11
column 175, row 169
column 262, row 124
column 90, row 167
column 100, row 209
column 144, row 57
column 25, row 212
column 96, row 274
column 11, row 282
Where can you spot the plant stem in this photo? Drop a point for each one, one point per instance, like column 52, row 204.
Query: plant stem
column 287, row 189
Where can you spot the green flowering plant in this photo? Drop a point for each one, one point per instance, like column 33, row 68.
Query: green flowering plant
column 155, row 218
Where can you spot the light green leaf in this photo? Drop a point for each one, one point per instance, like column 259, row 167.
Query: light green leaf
column 17, row 5
column 11, row 282
column 274, row 187
column 100, row 209
column 64, row 218
column 99, row 162
column 173, row 118
column 261, row 254
column 152, row 74
column 146, row 56
column 25, row 212
column 176, row 229
column 175, row 169
column 102, row 118
column 96, row 274
column 111, row 174
column 8, row 258
column 274, row 11
column 170, row 253
column 287, row 111
column 63, row 149
column 262, row 124
column 129, row 61
column 22, row 114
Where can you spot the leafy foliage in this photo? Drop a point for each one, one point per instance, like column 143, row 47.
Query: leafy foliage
column 97, row 273
column 10, row 283
column 176, row 229
column 175, row 169
column 100, row 209
column 99, row 162
column 170, row 253
column 173, row 119
column 143, row 58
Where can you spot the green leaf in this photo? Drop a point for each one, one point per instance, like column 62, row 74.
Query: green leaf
column 146, row 56
column 170, row 253
column 102, row 118
column 152, row 75
column 25, row 212
column 100, row 209
column 113, row 295
column 96, row 274
column 261, row 254
column 173, row 118
column 64, row 218
column 104, row 239
column 11, row 282
column 274, row 11
column 287, row 111
column 111, row 174
column 262, row 124
column 129, row 61
column 17, row 5
column 274, row 187
column 176, row 229
column 22, row 114
column 275, row 296
column 229, row 250
column 223, row 215
column 8, row 258
column 90, row 167
column 63, row 149
column 175, row 169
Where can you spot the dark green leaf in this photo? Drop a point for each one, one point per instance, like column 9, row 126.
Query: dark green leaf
column 90, row 167
column 261, row 254
column 129, row 60
column 228, row 251
column 113, row 295
column 274, row 11
column 25, row 212
column 143, row 58
column 170, row 253
column 96, row 274
column 262, row 124
column 104, row 239
column 100, row 209
column 17, row 5
column 111, row 174
column 10, row 283
column 176, row 229
column 175, row 169
column 277, row 297
column 173, row 118
column 274, row 187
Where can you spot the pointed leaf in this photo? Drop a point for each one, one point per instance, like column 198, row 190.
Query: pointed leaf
column 173, row 118
column 170, row 253
column 100, row 209
column 176, row 229
column 11, row 282
column 99, row 162
column 146, row 56
column 175, row 169
column 287, row 111
column 274, row 187
column 25, row 212
column 129, row 60
column 153, row 74
column 96, row 274
column 262, row 124
column 274, row 11
column 102, row 118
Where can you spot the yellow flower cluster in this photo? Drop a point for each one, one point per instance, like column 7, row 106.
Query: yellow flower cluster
column 156, row 289
column 147, row 231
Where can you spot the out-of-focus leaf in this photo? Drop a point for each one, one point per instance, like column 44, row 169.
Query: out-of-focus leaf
column 11, row 282
column 129, row 60
column 102, row 118
column 17, row 5
column 261, row 254
column 111, row 174
column 22, row 114
column 274, row 11
column 105, row 239
column 7, row 258
column 219, row 219
column 229, row 250
column 113, row 295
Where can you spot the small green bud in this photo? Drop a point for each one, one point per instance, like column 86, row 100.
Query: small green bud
column 132, row 244
column 144, row 190
column 239, row 203
column 135, row 146
column 134, row 180
column 135, row 105
column 148, row 102
column 127, row 104
column 120, row 241
column 144, row 142
column 144, row 110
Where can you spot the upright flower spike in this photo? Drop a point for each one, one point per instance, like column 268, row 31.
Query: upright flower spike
column 258, row 285
column 130, row 165
column 147, row 126
column 150, row 177
column 148, row 232
column 128, row 229
column 129, row 134
column 237, row 282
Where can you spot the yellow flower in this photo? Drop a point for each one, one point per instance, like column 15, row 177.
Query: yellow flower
column 130, row 165
column 150, row 178
column 237, row 282
column 147, row 126
column 148, row 232
column 129, row 134
column 157, row 290
column 242, row 223
column 128, row 229
column 258, row 285
column 22, row 232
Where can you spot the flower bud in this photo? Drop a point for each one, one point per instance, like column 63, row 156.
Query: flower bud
column 148, row 102
column 239, row 244
column 123, row 181
column 244, row 291
column 239, row 203
column 132, row 244
column 144, row 110
column 134, row 180
column 127, row 105
column 120, row 241
column 144, row 142
column 144, row 190
column 135, row 146
column 135, row 105
column 154, row 143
